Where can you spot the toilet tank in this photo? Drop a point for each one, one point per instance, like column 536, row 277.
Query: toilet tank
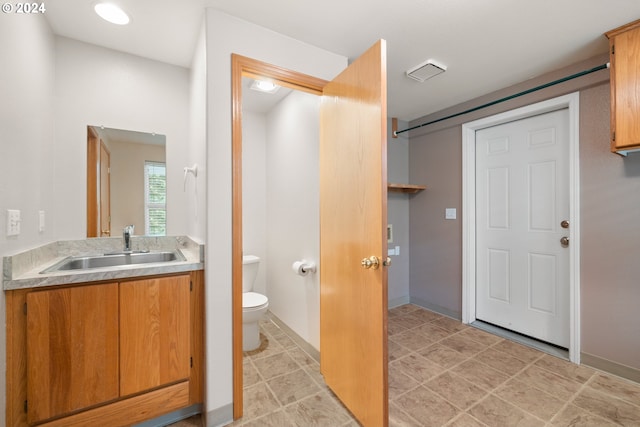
column 250, row 264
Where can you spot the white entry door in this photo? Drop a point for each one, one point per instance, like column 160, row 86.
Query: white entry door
column 522, row 213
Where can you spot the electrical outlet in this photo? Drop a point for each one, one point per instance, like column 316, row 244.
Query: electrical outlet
column 13, row 222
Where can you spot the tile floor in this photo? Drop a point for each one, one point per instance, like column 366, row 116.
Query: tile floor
column 441, row 373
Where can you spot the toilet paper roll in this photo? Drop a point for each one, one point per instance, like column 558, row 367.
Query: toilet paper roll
column 302, row 268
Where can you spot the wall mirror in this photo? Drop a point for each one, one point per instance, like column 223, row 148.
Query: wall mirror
column 126, row 182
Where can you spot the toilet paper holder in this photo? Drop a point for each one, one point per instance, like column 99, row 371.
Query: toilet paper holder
column 304, row 267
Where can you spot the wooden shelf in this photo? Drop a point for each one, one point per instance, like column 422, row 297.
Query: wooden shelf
column 405, row 188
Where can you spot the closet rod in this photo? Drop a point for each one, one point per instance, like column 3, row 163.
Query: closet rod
column 507, row 98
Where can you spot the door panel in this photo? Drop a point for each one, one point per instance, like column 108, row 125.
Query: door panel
column 154, row 333
column 522, row 196
column 72, row 349
column 353, row 225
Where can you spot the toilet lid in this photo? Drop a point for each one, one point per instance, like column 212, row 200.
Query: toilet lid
column 253, row 299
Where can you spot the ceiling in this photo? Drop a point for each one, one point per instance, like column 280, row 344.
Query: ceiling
column 486, row 45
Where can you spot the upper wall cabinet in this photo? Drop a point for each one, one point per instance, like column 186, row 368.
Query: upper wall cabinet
column 624, row 51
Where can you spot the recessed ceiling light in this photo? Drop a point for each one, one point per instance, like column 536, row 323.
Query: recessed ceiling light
column 264, row 86
column 112, row 13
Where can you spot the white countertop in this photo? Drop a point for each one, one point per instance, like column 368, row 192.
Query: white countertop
column 23, row 270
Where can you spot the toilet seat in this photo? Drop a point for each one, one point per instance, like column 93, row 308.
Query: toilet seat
column 253, row 301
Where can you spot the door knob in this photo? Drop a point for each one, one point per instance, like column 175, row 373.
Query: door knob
column 564, row 241
column 371, row 262
column 387, row 262
column 564, row 224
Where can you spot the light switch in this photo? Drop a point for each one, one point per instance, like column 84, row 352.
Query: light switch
column 450, row 213
column 391, row 252
column 397, row 250
column 13, row 222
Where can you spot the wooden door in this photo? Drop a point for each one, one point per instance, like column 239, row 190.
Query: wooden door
column 72, row 349
column 353, row 226
column 154, row 333
column 105, row 191
column 522, row 199
column 93, row 171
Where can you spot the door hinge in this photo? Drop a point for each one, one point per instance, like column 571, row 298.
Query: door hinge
column 26, row 407
column 24, row 309
column 613, row 138
column 613, row 49
column 191, row 361
column 190, row 285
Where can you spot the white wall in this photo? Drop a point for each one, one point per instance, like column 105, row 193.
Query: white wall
column 254, row 193
column 293, row 209
column 98, row 86
column 196, row 214
column 225, row 35
column 26, row 142
column 398, row 216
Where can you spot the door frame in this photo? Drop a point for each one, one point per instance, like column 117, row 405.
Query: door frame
column 242, row 66
column 572, row 102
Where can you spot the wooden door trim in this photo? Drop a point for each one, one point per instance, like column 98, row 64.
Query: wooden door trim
column 572, row 102
column 242, row 66
column 93, row 158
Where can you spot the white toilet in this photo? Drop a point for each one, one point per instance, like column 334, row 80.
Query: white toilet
column 254, row 305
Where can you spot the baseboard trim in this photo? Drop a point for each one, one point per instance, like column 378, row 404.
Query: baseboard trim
column 436, row 308
column 173, row 417
column 219, row 417
column 304, row 345
column 397, row 302
column 611, row 367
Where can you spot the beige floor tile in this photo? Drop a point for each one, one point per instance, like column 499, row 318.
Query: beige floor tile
column 396, row 351
column 272, row 347
column 250, row 374
column 456, row 390
column 408, row 321
column 417, row 367
column 272, row 419
column 294, row 386
column 465, row 420
column 413, row 339
column 483, row 337
column 618, row 387
column 277, row 364
column 531, row 399
column 496, row 412
column 433, row 331
column 395, row 326
column 463, row 345
column 480, row 374
column 403, row 309
column 572, row 416
column 501, row 361
column 601, row 404
column 450, row 324
column 262, row 401
column 425, row 315
column 553, row 384
column 578, row 373
column 398, row 418
column 442, row 355
column 426, row 407
column 519, row 351
column 399, row 383
column 319, row 410
column 301, row 357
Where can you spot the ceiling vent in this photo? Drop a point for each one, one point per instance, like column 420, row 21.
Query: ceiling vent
column 426, row 70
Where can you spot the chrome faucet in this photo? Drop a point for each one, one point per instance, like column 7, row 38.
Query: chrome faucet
column 126, row 235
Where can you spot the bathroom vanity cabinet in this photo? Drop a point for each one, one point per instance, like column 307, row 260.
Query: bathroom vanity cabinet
column 111, row 353
column 624, row 44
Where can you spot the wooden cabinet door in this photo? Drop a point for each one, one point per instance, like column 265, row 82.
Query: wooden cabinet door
column 154, row 333
column 72, row 349
column 625, row 87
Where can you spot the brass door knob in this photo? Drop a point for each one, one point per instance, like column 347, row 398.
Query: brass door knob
column 564, row 241
column 371, row 262
column 387, row 262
